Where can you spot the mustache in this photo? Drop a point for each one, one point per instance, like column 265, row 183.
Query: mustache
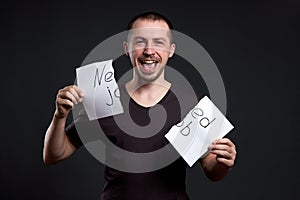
column 149, row 57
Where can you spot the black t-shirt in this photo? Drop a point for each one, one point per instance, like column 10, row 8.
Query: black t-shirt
column 167, row 183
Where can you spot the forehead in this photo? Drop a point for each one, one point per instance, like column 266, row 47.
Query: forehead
column 143, row 23
column 150, row 29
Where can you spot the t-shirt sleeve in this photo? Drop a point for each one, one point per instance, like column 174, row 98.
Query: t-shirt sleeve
column 82, row 130
column 71, row 130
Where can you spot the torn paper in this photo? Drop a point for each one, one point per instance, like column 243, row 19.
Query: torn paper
column 101, row 92
column 202, row 125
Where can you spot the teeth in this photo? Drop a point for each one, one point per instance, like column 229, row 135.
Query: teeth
column 149, row 61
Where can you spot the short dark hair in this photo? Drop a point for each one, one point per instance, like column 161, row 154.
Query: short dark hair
column 152, row 16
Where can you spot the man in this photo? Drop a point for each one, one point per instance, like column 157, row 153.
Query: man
column 149, row 47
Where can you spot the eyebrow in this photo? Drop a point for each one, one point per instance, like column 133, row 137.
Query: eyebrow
column 139, row 38
column 155, row 39
column 161, row 38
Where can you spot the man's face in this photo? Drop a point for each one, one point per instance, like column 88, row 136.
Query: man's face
column 149, row 48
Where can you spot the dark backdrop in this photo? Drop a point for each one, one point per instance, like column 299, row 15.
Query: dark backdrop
column 255, row 45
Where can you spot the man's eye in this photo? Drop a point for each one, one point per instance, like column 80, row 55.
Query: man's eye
column 139, row 42
column 159, row 43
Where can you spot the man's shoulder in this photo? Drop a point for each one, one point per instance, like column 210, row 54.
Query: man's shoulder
column 184, row 93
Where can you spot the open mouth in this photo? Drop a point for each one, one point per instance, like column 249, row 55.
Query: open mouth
column 148, row 66
column 149, row 61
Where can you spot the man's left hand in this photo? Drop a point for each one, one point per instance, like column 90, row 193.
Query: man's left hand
column 224, row 150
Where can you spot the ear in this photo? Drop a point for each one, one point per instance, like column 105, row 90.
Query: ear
column 172, row 50
column 125, row 46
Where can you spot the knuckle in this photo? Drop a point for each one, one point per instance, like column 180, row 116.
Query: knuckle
column 59, row 92
column 225, row 140
column 234, row 151
column 66, row 87
column 68, row 94
column 68, row 102
column 72, row 91
column 223, row 153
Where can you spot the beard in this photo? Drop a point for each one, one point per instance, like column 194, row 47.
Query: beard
column 149, row 77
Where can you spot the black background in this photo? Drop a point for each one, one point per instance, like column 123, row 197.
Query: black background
column 255, row 45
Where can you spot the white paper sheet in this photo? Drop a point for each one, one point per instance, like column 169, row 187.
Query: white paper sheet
column 101, row 92
column 202, row 125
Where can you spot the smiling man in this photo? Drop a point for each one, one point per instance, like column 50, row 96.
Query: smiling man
column 149, row 46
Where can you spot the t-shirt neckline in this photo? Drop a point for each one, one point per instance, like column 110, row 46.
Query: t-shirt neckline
column 143, row 107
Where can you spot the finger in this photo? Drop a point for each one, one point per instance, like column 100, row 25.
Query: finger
column 223, row 154
column 225, row 161
column 75, row 94
column 220, row 147
column 68, row 95
column 65, row 102
column 78, row 90
column 224, row 141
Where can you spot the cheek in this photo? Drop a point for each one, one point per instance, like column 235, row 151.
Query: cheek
column 165, row 57
column 133, row 58
column 136, row 53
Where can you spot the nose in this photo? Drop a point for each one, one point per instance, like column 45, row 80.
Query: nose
column 148, row 50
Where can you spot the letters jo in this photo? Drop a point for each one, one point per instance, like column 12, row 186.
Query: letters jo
column 107, row 77
column 204, row 121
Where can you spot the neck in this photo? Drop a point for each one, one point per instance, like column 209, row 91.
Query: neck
column 147, row 93
column 137, row 85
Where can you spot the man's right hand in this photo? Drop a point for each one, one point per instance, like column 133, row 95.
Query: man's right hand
column 66, row 99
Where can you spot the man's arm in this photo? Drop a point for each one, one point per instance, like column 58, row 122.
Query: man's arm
column 57, row 145
column 220, row 160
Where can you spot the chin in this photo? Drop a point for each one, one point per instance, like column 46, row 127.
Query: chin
column 152, row 78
